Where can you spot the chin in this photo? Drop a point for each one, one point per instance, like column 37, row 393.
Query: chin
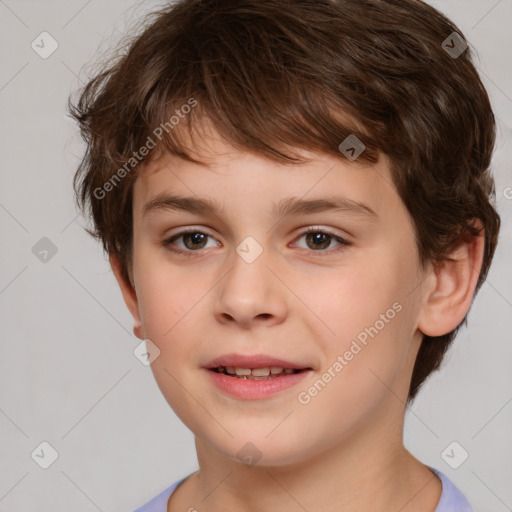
column 252, row 449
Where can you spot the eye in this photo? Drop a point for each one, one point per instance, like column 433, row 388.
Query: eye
column 193, row 239
column 320, row 239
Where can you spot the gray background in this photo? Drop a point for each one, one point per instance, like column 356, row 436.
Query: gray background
column 68, row 375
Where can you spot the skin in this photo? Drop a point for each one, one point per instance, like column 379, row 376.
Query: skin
column 343, row 450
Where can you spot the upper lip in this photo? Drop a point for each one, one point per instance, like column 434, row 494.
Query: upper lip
column 253, row 361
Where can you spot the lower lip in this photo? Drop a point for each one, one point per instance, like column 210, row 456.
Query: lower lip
column 255, row 389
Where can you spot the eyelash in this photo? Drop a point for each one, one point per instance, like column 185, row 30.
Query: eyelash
column 343, row 243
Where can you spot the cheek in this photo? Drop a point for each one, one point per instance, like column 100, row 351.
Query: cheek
column 368, row 309
column 167, row 315
column 355, row 296
column 165, row 291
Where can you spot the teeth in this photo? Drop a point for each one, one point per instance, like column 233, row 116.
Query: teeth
column 254, row 372
column 261, row 372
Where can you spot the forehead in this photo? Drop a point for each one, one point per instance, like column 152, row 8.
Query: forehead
column 243, row 179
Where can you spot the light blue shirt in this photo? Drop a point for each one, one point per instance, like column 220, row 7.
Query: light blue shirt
column 452, row 500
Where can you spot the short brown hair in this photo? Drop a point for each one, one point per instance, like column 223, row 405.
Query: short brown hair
column 273, row 75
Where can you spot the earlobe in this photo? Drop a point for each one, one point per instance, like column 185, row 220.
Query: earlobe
column 129, row 295
column 449, row 298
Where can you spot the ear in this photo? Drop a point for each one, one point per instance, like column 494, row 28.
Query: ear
column 129, row 295
column 453, row 286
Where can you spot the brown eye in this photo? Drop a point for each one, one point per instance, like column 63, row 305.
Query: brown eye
column 318, row 240
column 192, row 241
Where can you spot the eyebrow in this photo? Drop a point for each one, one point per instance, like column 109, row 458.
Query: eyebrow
column 289, row 206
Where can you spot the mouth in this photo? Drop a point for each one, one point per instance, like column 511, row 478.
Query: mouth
column 253, row 377
column 266, row 373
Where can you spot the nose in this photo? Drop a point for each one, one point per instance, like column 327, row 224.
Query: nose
column 250, row 294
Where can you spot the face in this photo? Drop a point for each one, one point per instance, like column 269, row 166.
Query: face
column 332, row 292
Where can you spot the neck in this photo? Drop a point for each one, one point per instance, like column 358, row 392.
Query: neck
column 367, row 471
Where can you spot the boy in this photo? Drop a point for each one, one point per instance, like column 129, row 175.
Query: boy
column 297, row 206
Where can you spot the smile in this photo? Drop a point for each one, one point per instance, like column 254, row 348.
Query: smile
column 249, row 386
column 255, row 373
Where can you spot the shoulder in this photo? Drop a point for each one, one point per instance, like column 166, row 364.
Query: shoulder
column 452, row 499
column 159, row 503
